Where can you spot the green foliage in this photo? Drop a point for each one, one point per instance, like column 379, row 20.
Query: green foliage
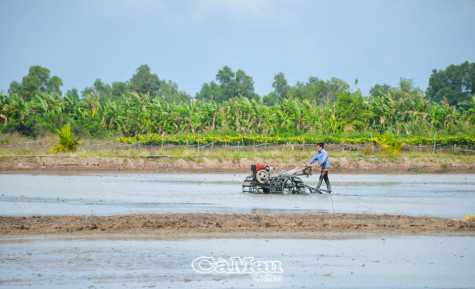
column 271, row 99
column 99, row 88
column 72, row 93
column 379, row 90
column 67, row 142
column 230, row 85
column 391, row 144
column 37, row 81
column 281, row 88
column 351, row 113
column 229, row 107
column 139, row 114
column 169, row 92
column 456, row 84
column 118, row 89
column 144, row 82
column 24, row 127
column 318, row 91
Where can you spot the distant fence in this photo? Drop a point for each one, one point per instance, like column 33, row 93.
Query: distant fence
column 45, row 144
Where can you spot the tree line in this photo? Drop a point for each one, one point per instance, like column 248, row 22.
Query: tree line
column 140, row 114
column 229, row 105
column 143, row 81
column 456, row 83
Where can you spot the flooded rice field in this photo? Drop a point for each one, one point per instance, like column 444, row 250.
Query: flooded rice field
column 236, row 260
column 449, row 196
column 371, row 262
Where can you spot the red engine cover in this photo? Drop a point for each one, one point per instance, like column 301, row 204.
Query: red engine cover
column 256, row 168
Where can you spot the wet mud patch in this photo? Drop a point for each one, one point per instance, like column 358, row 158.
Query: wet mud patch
column 179, row 223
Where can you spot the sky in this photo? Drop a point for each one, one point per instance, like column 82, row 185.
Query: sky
column 188, row 41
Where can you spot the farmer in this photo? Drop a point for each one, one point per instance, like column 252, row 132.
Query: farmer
column 321, row 157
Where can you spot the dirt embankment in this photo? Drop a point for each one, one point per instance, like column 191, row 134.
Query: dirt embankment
column 181, row 223
column 65, row 164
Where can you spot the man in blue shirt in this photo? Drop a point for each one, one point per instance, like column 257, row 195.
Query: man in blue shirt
column 321, row 157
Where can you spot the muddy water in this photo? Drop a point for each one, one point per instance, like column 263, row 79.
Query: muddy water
column 450, row 196
column 305, row 260
column 336, row 262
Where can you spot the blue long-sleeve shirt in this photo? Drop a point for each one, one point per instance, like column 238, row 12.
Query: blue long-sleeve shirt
column 322, row 157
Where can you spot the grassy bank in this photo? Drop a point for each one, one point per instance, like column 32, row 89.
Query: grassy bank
column 20, row 152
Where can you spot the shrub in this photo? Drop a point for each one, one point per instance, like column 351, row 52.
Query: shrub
column 67, row 142
column 392, row 145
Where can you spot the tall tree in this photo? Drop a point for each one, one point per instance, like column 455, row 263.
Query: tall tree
column 322, row 92
column 456, row 83
column 15, row 88
column 378, row 90
column 37, row 81
column 73, row 93
column 118, row 89
column 101, row 88
column 225, row 78
column 210, row 91
column 169, row 92
column 144, row 82
column 405, row 89
column 273, row 98
column 280, row 85
column 244, row 85
column 53, row 85
column 228, row 86
column 351, row 111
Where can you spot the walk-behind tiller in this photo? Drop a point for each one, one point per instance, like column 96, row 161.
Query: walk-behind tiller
column 265, row 180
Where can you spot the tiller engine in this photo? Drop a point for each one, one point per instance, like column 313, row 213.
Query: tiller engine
column 264, row 180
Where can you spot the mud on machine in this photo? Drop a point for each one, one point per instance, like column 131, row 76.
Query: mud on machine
column 265, row 180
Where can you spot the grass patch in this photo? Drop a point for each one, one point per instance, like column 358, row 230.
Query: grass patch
column 443, row 168
column 14, row 144
column 416, row 169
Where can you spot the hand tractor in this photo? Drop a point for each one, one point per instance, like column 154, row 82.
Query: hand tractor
column 265, row 180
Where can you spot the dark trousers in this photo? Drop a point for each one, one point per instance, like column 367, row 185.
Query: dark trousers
column 324, row 176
